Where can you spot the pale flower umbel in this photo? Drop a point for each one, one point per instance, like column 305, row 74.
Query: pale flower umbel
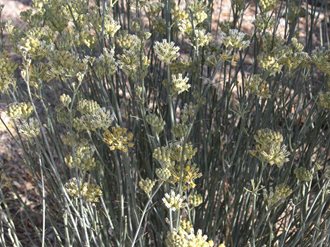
column 166, row 52
column 173, row 201
column 179, row 84
column 236, row 40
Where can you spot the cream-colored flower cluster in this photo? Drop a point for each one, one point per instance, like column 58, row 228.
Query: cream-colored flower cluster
column 22, row 110
column 269, row 147
column 320, row 58
column 7, row 68
column 267, row 5
column 282, row 191
column 127, row 41
column 202, row 38
column 235, row 40
column 173, row 201
column 172, row 171
column 105, row 64
column 179, row 84
column 191, row 19
column 180, row 130
column 303, row 175
column 270, row 64
column 175, row 152
column 166, row 52
column 277, row 55
column 82, row 158
column 324, row 100
column 133, row 62
column 65, row 64
column 147, row 185
column 156, row 122
column 257, row 86
column 118, row 139
column 28, row 127
column 87, row 191
column 92, row 116
column 195, row 199
column 111, row 27
column 85, row 106
column 163, row 173
column 187, row 238
column 37, row 42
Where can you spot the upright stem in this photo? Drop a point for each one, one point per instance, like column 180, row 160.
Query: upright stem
column 169, row 98
column 144, row 213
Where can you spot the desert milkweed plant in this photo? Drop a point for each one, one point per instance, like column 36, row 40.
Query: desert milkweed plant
column 162, row 123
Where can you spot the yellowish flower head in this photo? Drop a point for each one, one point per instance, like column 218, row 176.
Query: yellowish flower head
column 118, row 139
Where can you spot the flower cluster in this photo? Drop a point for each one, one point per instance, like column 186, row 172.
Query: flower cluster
column 147, row 185
column 110, row 26
column 88, row 191
column 105, row 64
column 22, row 110
column 269, row 147
column 187, row 238
column 88, row 106
column 235, row 40
column 127, row 41
column 282, row 191
column 7, row 68
column 270, row 64
column 163, row 173
column 257, row 86
column 194, row 16
column 267, row 5
column 163, row 155
column 118, row 139
column 173, row 201
column 195, row 200
column 82, row 158
column 180, row 130
column 156, row 122
column 133, row 62
column 65, row 64
column 92, row 116
column 65, row 100
column 202, row 38
column 175, row 152
column 166, row 52
column 29, row 128
column 37, row 41
column 187, row 175
column 324, row 100
column 172, row 171
column 179, row 84
column 303, row 175
column 320, row 58
column 182, row 152
column 277, row 55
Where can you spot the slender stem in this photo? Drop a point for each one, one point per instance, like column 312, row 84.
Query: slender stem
column 43, row 204
column 144, row 213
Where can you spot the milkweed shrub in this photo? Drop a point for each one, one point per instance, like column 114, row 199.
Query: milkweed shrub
column 153, row 123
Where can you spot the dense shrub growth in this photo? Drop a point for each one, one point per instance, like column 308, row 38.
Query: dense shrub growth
column 155, row 123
